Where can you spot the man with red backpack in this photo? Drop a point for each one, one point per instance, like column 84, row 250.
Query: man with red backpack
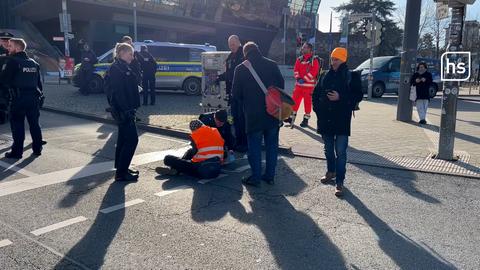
column 306, row 71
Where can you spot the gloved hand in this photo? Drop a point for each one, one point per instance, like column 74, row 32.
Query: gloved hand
column 300, row 81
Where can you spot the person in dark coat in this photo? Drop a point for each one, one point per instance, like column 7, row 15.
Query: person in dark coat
column 422, row 80
column 148, row 65
column 124, row 102
column 234, row 59
column 4, row 95
column 219, row 120
column 333, row 102
column 89, row 59
column 259, row 124
column 135, row 64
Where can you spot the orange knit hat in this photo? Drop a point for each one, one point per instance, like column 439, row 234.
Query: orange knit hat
column 340, row 53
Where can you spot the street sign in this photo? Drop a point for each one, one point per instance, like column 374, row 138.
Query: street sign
column 378, row 34
column 58, row 38
column 65, row 21
column 442, row 11
column 70, row 35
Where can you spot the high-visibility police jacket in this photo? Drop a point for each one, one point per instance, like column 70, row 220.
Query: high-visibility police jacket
column 209, row 144
column 306, row 68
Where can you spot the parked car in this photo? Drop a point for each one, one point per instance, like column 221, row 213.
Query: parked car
column 386, row 74
column 178, row 66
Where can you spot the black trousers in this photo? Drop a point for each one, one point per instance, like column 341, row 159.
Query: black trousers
column 239, row 125
column 85, row 78
column 26, row 105
column 148, row 84
column 206, row 169
column 127, row 142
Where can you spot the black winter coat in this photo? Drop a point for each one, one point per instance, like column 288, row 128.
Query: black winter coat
column 233, row 60
column 423, row 91
column 147, row 63
column 247, row 91
column 226, row 130
column 124, row 87
column 88, row 60
column 335, row 117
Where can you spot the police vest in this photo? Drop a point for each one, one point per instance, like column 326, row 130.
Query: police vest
column 26, row 78
column 209, row 144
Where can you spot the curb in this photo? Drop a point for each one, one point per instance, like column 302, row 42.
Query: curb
column 160, row 130
column 470, row 99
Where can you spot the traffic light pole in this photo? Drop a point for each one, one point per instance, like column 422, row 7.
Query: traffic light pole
column 372, row 50
column 451, row 88
column 409, row 59
column 65, row 27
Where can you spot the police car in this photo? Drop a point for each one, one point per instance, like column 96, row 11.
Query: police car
column 179, row 66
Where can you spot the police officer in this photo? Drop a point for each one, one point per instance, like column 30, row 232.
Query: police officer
column 4, row 95
column 149, row 68
column 124, row 101
column 21, row 75
column 135, row 64
column 89, row 59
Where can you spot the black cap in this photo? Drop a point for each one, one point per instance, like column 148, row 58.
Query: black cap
column 221, row 115
column 6, row 35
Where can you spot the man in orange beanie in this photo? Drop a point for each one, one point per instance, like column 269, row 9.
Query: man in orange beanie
column 306, row 70
column 334, row 99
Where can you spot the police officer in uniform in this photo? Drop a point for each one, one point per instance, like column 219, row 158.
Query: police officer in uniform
column 149, row 68
column 124, row 100
column 21, row 75
column 4, row 95
column 89, row 59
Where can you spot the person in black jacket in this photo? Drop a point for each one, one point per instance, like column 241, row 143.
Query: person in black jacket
column 333, row 102
column 234, row 59
column 135, row 64
column 422, row 80
column 21, row 75
column 148, row 65
column 124, row 100
column 259, row 124
column 219, row 120
column 4, row 95
column 89, row 59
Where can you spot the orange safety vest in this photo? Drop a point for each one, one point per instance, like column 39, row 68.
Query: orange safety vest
column 209, row 144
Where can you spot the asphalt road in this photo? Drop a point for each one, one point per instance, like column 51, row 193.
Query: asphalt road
column 64, row 211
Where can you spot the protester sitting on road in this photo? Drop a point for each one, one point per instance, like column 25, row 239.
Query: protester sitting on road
column 422, row 80
column 203, row 160
column 219, row 120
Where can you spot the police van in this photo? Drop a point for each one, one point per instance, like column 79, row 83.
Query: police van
column 386, row 74
column 179, row 66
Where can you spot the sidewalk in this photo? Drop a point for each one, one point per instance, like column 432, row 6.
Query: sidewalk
column 378, row 139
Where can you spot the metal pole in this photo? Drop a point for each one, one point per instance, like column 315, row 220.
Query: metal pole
column 451, row 88
column 284, row 36
column 372, row 49
column 135, row 21
column 65, row 28
column 409, row 59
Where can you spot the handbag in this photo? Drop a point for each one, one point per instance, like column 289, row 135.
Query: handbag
column 279, row 104
column 413, row 93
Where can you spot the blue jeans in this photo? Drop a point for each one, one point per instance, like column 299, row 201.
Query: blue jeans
column 336, row 154
column 255, row 153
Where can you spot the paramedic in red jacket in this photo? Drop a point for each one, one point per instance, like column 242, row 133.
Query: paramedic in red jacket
column 305, row 71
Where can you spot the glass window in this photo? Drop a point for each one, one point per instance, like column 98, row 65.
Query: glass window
column 196, row 55
column 108, row 58
column 169, row 54
column 394, row 65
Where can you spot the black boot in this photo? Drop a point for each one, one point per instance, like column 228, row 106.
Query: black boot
column 126, row 177
column 304, row 123
column 13, row 155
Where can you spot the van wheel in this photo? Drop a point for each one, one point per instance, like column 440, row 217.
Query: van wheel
column 432, row 91
column 96, row 85
column 378, row 89
column 192, row 87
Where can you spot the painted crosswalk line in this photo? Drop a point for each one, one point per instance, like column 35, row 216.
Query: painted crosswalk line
column 58, row 225
column 121, row 206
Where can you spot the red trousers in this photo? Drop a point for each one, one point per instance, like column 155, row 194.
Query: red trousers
column 304, row 93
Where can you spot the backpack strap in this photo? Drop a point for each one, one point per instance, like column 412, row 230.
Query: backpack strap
column 247, row 64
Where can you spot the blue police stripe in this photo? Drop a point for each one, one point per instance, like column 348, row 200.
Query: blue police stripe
column 164, row 68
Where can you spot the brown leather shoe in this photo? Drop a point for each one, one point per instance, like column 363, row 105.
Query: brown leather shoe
column 339, row 191
column 329, row 176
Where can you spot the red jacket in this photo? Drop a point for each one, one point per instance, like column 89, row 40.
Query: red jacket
column 307, row 70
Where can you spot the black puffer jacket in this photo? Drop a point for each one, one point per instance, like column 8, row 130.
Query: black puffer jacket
column 247, row 91
column 124, row 88
column 423, row 91
column 334, row 117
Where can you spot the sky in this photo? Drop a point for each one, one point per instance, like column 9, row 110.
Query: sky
column 473, row 12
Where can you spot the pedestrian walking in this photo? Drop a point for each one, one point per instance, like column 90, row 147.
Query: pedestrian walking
column 89, row 59
column 234, row 59
column 4, row 94
column 124, row 101
column 21, row 75
column 203, row 160
column 259, row 124
column 306, row 70
column 148, row 65
column 334, row 99
column 422, row 80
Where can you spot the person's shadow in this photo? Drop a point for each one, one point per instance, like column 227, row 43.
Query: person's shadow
column 24, row 162
column 92, row 248
column 405, row 252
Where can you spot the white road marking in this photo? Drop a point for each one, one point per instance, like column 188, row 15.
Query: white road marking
column 170, row 191
column 204, row 181
column 62, row 176
column 59, row 225
column 121, row 206
column 5, row 243
column 165, row 138
column 14, row 168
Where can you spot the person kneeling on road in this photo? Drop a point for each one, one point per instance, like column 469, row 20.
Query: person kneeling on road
column 219, row 120
column 203, row 160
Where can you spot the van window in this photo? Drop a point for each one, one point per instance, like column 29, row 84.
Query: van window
column 169, row 54
column 196, row 55
column 394, row 65
column 107, row 59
